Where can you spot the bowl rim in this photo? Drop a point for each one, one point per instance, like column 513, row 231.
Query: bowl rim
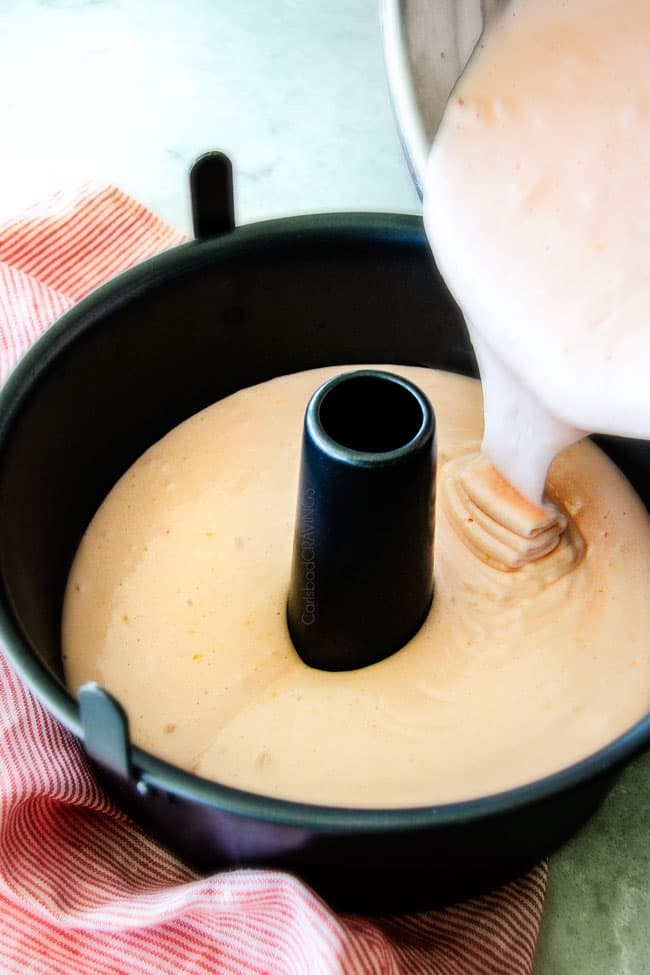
column 408, row 118
column 150, row 772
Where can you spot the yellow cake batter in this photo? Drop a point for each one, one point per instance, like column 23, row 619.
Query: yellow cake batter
column 176, row 605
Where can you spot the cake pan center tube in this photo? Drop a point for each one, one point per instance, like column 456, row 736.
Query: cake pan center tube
column 362, row 571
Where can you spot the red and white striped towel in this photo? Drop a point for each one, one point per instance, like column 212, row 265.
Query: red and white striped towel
column 82, row 890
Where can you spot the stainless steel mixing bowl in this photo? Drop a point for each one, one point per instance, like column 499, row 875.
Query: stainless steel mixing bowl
column 427, row 43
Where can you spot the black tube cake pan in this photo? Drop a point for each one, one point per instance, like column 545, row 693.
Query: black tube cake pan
column 235, row 307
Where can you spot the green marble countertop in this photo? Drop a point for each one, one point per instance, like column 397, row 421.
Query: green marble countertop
column 597, row 911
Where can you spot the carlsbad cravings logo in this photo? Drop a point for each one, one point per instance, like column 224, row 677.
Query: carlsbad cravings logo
column 308, row 556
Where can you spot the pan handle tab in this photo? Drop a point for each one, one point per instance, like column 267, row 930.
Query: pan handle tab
column 105, row 730
column 212, row 193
